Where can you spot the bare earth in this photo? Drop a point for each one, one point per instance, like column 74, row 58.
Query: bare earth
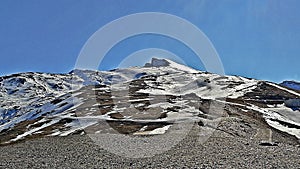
column 222, row 150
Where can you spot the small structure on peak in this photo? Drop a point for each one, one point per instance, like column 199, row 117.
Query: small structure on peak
column 155, row 62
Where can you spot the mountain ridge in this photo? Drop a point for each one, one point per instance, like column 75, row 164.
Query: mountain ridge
column 291, row 84
column 41, row 104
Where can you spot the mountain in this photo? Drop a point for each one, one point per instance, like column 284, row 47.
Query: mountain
column 291, row 84
column 150, row 100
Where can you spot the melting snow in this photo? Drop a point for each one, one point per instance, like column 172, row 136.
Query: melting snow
column 33, row 98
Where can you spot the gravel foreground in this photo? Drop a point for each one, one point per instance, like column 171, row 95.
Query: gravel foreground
column 219, row 151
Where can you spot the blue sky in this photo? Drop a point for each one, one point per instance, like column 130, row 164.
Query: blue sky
column 255, row 38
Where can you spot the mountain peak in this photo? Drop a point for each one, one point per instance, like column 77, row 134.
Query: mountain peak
column 41, row 104
column 157, row 62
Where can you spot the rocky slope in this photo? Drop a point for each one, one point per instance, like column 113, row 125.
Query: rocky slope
column 156, row 99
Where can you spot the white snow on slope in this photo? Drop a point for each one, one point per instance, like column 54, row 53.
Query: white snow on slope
column 207, row 86
column 160, row 130
column 34, row 95
column 34, row 130
column 277, row 125
column 271, row 114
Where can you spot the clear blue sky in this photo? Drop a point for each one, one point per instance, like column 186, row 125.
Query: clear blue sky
column 254, row 38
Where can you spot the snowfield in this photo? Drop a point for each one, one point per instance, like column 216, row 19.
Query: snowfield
column 148, row 100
